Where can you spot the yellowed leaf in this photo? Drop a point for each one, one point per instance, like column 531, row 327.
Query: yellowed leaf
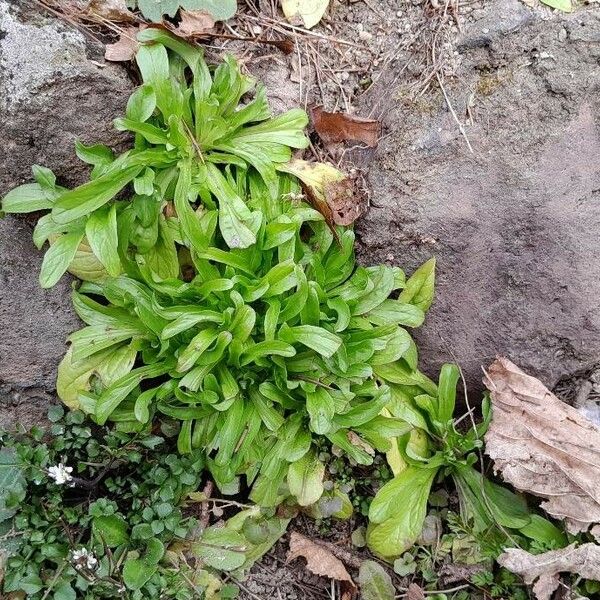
column 307, row 12
column 543, row 570
column 543, row 446
column 319, row 560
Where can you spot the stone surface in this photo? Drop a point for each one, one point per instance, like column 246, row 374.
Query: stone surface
column 54, row 89
column 52, row 92
column 515, row 224
column 34, row 325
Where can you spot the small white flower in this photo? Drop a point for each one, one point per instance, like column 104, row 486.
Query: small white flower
column 83, row 558
column 60, row 473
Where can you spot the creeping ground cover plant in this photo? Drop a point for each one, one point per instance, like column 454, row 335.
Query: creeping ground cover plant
column 224, row 310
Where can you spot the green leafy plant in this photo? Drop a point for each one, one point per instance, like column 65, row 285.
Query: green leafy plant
column 192, row 141
column 97, row 513
column 435, row 448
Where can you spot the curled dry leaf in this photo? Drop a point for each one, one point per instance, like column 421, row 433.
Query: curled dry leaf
column 341, row 127
column 543, row 446
column 124, row 48
column 193, row 23
column 336, row 195
column 113, row 10
column 544, row 569
column 319, row 560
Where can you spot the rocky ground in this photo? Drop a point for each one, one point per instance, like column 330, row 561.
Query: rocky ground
column 488, row 161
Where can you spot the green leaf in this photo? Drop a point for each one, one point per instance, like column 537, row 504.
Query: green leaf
column 102, row 236
column 25, row 199
column 221, row 548
column 420, row 286
column 137, row 572
column 564, row 5
column 58, row 258
column 398, row 510
column 118, row 391
column 305, row 479
column 374, row 582
column 321, row 409
column 12, row 483
column 267, row 348
column 449, row 376
column 110, row 530
column 318, row 339
column 141, row 104
column 393, row 311
column 96, row 154
column 545, row 532
column 90, row 196
column 64, row 591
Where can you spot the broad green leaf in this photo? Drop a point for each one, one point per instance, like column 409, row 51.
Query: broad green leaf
column 110, row 530
column 137, row 572
column 90, row 196
column 267, row 348
column 318, row 339
column 393, row 311
column 397, row 512
column 141, row 104
column 96, row 154
column 542, row 530
column 564, row 5
column 419, row 288
column 118, row 391
column 374, row 582
column 58, row 258
column 25, row 199
column 199, row 344
column 321, row 409
column 102, row 236
column 221, row 548
column 13, row 484
column 382, row 278
column 449, row 376
column 305, row 479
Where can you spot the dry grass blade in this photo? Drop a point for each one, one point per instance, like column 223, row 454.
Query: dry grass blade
column 319, row 560
column 543, row 446
column 544, row 569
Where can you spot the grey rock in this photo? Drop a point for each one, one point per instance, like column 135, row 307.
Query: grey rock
column 515, row 225
column 54, row 89
column 34, row 325
column 52, row 94
column 497, row 19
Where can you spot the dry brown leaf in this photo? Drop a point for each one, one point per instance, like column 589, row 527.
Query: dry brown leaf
column 113, row 10
column 319, row 560
column 544, row 569
column 357, row 441
column 194, row 23
column 335, row 127
column 414, row 592
column 543, row 446
column 124, row 48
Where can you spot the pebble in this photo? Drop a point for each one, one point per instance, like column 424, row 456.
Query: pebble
column 562, row 35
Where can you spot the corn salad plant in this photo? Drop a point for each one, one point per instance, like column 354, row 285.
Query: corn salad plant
column 215, row 297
